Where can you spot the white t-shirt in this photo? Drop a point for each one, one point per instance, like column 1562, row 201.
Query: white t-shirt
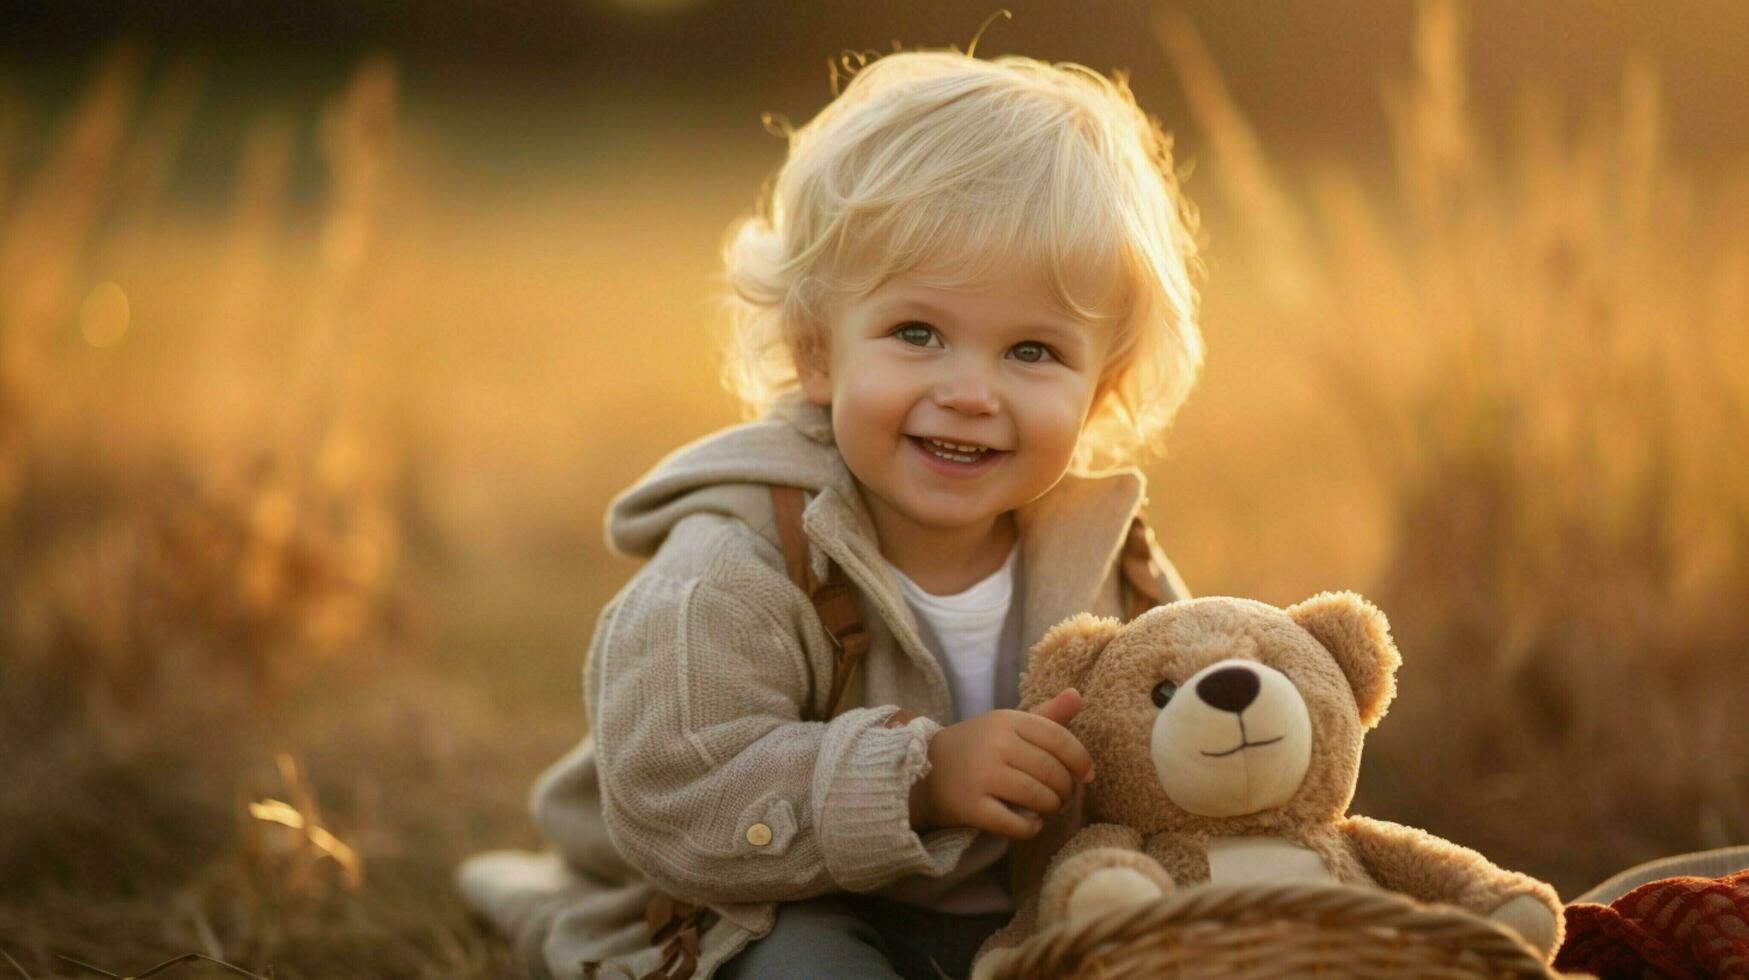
column 975, row 636
column 966, row 632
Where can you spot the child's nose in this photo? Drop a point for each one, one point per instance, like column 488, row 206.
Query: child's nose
column 967, row 393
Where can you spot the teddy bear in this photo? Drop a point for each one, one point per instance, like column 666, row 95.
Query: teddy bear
column 1226, row 737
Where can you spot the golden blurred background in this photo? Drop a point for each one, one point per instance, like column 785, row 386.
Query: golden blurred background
column 327, row 332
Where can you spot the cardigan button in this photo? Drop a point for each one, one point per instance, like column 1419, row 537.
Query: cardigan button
column 759, row 835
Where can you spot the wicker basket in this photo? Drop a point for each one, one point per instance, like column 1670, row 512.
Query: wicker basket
column 1289, row 929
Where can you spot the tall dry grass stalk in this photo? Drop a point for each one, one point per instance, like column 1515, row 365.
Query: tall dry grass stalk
column 255, row 558
column 1543, row 342
column 44, row 231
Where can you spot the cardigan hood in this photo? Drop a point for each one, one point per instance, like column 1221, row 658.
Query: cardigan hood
column 727, row 473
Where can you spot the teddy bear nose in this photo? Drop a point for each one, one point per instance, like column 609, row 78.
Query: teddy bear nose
column 1229, row 689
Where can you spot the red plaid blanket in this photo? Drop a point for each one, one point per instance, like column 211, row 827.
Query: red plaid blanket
column 1677, row 927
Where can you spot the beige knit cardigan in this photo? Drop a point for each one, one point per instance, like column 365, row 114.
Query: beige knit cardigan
column 698, row 776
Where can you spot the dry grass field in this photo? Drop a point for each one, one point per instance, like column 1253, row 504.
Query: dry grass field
column 300, row 492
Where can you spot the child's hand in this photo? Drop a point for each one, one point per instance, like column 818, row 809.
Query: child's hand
column 983, row 768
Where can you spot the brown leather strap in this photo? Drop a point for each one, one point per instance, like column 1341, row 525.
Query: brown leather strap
column 833, row 600
column 900, row 718
column 1147, row 582
column 838, row 614
column 786, row 506
column 673, row 924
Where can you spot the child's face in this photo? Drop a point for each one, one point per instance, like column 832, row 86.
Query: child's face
column 994, row 368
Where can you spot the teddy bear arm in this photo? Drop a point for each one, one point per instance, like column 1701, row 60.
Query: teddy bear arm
column 1097, row 877
column 1102, row 867
column 1002, row 944
column 1432, row 869
column 1097, row 835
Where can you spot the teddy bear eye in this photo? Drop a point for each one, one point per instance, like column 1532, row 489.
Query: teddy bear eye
column 1163, row 692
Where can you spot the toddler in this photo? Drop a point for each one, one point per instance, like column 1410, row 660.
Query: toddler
column 963, row 309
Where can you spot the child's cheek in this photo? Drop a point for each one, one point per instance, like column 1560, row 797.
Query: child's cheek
column 1054, row 423
column 867, row 423
column 873, row 403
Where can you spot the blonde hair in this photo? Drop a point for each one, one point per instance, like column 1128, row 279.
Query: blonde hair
column 941, row 161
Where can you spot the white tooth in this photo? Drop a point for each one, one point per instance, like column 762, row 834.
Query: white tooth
column 956, row 457
column 956, row 446
column 957, row 452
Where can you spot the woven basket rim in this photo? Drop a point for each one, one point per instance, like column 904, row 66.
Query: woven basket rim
column 1061, row 946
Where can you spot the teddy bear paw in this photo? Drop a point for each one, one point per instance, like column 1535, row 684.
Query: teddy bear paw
column 1530, row 918
column 990, row 963
column 1108, row 890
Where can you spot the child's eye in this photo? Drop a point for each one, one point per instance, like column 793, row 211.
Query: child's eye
column 1032, row 352
column 917, row 334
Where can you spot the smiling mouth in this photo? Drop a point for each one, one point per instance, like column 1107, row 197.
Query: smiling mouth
column 954, row 452
column 1242, row 746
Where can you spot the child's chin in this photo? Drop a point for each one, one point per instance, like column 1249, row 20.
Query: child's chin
column 935, row 515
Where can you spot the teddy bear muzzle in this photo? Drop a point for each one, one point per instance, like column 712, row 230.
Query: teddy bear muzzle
column 1236, row 739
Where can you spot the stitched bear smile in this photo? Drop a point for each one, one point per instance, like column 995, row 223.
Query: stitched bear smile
column 1242, row 746
column 1244, row 743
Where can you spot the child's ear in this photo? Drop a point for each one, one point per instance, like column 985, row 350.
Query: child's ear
column 1357, row 634
column 1111, row 378
column 1065, row 655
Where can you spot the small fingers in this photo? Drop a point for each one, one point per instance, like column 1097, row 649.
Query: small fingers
column 1020, row 789
column 1059, row 742
column 1042, row 766
column 999, row 818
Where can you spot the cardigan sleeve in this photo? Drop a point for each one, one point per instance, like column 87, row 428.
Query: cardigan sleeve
column 712, row 785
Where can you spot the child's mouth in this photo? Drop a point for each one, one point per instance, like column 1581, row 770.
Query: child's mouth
column 955, row 457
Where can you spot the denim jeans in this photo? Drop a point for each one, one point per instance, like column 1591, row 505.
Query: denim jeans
column 855, row 936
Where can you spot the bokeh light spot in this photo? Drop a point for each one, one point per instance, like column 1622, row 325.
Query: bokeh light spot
column 103, row 317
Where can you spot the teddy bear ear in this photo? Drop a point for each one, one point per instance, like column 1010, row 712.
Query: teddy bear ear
column 1063, row 657
column 1357, row 634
